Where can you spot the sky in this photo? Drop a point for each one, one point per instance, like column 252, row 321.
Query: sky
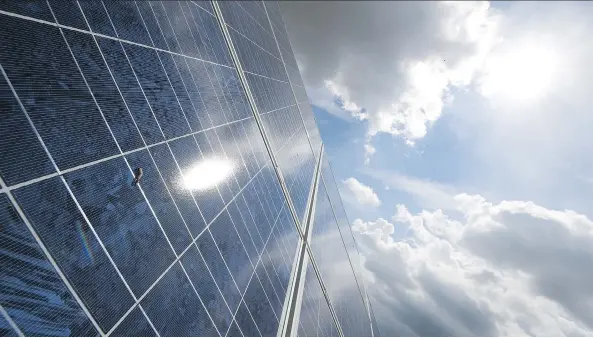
column 460, row 136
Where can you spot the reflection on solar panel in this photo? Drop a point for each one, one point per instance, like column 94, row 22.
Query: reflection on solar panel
column 236, row 226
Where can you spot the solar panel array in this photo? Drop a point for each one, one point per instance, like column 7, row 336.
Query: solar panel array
column 93, row 91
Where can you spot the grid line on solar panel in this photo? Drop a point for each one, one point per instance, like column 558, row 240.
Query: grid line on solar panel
column 255, row 11
column 96, row 34
column 253, row 42
column 202, row 5
column 64, row 182
column 342, row 235
column 120, row 41
column 11, row 323
column 258, row 261
column 219, row 101
column 299, row 93
column 247, row 26
column 318, row 274
column 347, row 309
column 184, row 251
column 150, row 106
column 194, row 241
column 128, row 165
column 50, row 258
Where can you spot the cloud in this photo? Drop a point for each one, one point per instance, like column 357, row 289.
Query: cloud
column 513, row 268
column 391, row 63
column 363, row 194
column 369, row 151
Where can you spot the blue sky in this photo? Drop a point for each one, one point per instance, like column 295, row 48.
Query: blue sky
column 460, row 134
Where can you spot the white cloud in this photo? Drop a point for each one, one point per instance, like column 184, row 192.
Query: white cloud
column 513, row 268
column 363, row 194
column 391, row 63
column 369, row 151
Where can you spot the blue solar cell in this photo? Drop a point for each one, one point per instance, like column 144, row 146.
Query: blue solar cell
column 209, row 294
column 188, row 156
column 271, row 186
column 212, row 141
column 172, row 67
column 234, row 148
column 245, row 211
column 165, row 27
column 256, row 208
column 329, row 250
column 175, row 309
column 245, row 149
column 152, row 26
column 129, row 88
column 207, row 94
column 5, row 329
column 51, row 88
column 70, row 241
column 275, row 299
column 214, row 43
column 219, row 113
column 161, row 201
column 127, row 21
column 158, row 91
column 234, row 90
column 264, row 196
column 23, row 156
column 191, row 80
column 32, row 292
column 246, row 322
column 315, row 316
column 34, row 9
column 181, row 28
column 234, row 330
column 230, row 246
column 205, row 5
column 135, row 325
column 273, row 10
column 243, row 231
column 97, row 17
column 68, row 13
column 260, row 309
column 103, row 88
column 219, row 271
column 185, row 202
column 123, row 220
column 272, row 266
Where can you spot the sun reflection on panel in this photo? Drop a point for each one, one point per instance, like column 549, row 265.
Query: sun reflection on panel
column 207, row 173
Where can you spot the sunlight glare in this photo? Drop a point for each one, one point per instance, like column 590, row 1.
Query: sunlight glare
column 524, row 73
column 207, row 174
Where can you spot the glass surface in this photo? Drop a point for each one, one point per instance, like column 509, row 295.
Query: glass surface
column 70, row 240
column 32, row 292
column 135, row 325
column 175, row 309
column 202, row 242
column 336, row 270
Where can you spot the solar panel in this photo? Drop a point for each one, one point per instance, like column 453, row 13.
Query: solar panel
column 215, row 117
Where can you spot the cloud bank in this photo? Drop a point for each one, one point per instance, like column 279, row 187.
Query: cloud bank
column 513, row 268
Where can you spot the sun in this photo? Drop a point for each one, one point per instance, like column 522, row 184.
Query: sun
column 524, row 73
